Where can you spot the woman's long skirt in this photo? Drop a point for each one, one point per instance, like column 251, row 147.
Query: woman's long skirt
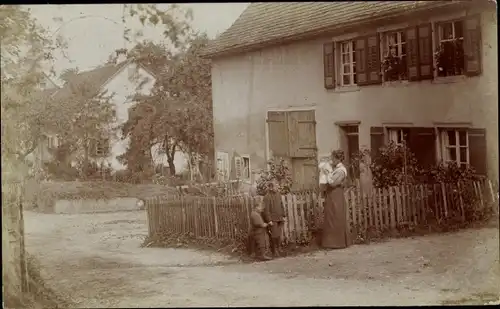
column 335, row 226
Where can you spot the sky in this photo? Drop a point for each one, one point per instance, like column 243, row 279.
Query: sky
column 94, row 32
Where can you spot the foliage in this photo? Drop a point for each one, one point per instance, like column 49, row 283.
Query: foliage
column 177, row 113
column 174, row 21
column 393, row 165
column 393, row 67
column 277, row 170
column 24, row 45
column 68, row 74
column 450, row 58
column 451, row 172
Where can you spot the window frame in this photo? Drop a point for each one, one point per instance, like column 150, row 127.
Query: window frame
column 352, row 63
column 223, row 165
column 248, row 169
column 384, row 38
column 445, row 146
column 398, row 133
column 438, row 32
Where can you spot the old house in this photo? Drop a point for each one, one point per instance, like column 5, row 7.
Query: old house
column 297, row 80
column 123, row 80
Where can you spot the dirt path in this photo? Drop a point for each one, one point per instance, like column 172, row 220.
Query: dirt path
column 97, row 260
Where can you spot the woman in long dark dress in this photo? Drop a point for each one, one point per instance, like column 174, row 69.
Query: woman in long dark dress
column 335, row 226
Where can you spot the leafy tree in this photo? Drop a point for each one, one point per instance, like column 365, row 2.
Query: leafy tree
column 83, row 121
column 178, row 113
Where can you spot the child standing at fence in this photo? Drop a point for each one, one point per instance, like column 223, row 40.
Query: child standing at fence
column 274, row 212
column 258, row 233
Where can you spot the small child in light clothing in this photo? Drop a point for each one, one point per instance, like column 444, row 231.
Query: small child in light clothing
column 325, row 173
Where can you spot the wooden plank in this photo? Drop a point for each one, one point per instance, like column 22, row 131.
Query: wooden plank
column 302, row 215
column 414, row 203
column 445, row 202
column 461, row 201
column 369, row 209
column 399, row 211
column 293, row 206
column 480, row 193
column 365, row 211
column 423, row 199
column 286, row 226
column 392, row 206
column 352, row 206
column 492, row 192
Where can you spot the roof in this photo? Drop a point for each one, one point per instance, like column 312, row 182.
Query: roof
column 95, row 78
column 266, row 23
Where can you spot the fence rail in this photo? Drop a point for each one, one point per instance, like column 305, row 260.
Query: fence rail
column 382, row 209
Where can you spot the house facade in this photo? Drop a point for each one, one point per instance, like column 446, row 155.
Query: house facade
column 298, row 80
column 123, row 80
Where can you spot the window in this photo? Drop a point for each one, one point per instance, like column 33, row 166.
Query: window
column 52, row 142
column 450, row 50
column 399, row 136
column 222, row 166
column 394, row 64
column 348, row 63
column 100, row 147
column 456, row 147
column 246, row 167
column 351, row 148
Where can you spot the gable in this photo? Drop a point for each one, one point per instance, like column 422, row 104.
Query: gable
column 129, row 80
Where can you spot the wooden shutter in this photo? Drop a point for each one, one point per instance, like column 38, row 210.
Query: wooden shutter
column 302, row 134
column 329, row 64
column 373, row 60
column 472, row 45
column 477, row 150
column 377, row 140
column 412, row 54
column 304, row 173
column 425, row 54
column 238, row 167
column 361, row 63
column 422, row 143
column 278, row 134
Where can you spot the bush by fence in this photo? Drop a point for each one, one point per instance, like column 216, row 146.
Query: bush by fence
column 227, row 218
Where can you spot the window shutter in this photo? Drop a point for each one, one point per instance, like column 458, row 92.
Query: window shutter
column 425, row 51
column 302, row 134
column 278, row 133
column 329, row 64
column 472, row 45
column 477, row 150
column 412, row 54
column 377, row 140
column 373, row 60
column 422, row 143
column 238, row 167
column 361, row 62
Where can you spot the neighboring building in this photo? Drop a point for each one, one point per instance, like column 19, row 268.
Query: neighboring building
column 124, row 80
column 297, row 80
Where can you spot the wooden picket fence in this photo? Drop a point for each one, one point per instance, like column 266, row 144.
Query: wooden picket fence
column 227, row 218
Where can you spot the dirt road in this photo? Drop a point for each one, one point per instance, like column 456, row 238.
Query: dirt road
column 96, row 260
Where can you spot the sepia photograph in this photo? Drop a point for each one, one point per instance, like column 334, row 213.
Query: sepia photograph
column 267, row 154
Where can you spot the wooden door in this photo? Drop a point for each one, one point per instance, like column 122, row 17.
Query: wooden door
column 304, row 173
column 302, row 134
column 278, row 134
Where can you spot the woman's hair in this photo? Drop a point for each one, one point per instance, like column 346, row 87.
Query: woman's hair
column 338, row 154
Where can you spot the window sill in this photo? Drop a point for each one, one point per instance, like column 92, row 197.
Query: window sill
column 342, row 89
column 449, row 79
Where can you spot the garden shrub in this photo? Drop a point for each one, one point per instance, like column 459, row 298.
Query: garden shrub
column 278, row 170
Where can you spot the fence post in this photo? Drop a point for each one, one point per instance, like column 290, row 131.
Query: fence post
column 195, row 214
column 184, row 218
column 477, row 185
column 462, row 211
column 216, row 219
column 445, row 204
column 392, row 218
column 247, row 209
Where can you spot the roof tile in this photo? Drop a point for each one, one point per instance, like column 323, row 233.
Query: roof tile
column 265, row 22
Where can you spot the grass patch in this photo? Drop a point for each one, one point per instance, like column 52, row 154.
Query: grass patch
column 39, row 295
